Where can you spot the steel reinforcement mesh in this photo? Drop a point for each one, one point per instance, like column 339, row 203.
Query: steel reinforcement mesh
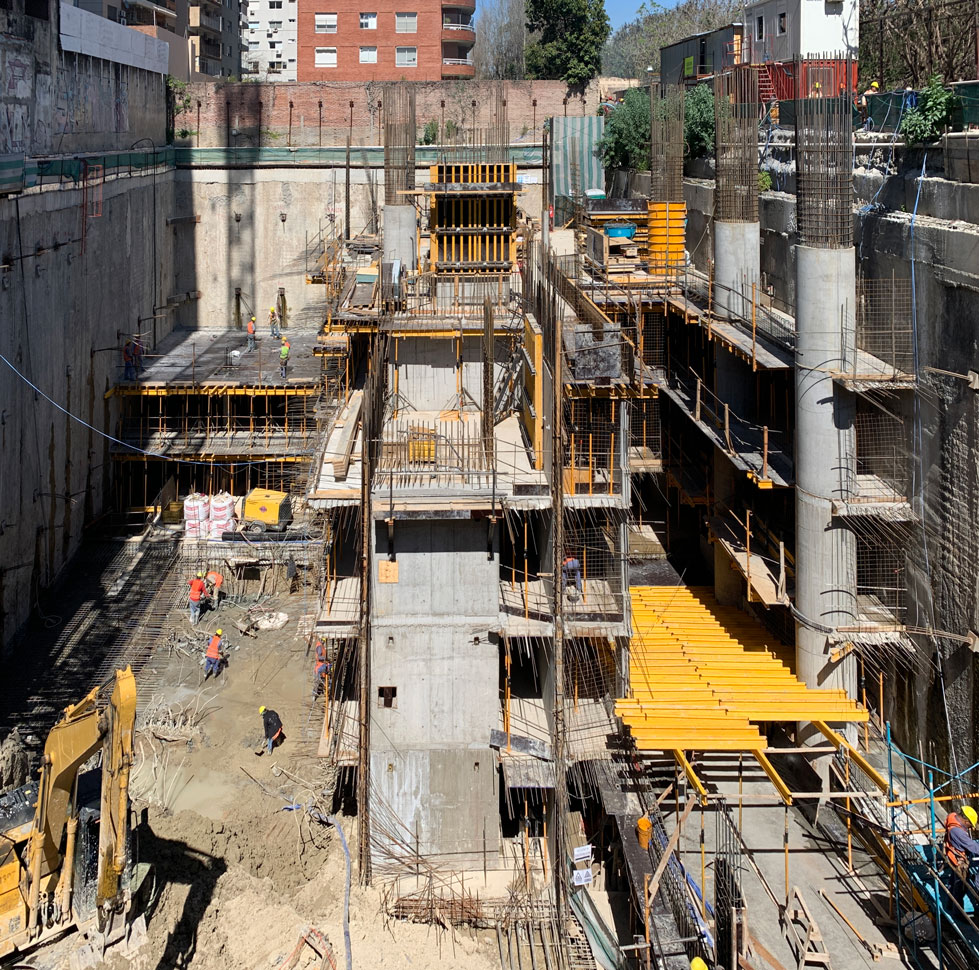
column 736, row 144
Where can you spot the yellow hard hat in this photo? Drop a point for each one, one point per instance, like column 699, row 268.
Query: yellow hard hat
column 271, row 309
column 970, row 813
column 219, row 632
column 697, row 964
column 874, row 85
column 200, row 575
column 261, row 710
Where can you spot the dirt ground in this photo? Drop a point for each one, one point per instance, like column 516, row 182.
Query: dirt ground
column 237, row 875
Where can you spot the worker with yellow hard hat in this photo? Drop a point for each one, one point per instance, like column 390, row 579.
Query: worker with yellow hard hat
column 697, row 964
column 196, row 592
column 272, row 724
column 214, row 656
column 274, row 322
column 961, row 850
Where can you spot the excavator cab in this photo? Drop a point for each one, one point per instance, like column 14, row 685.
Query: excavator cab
column 64, row 838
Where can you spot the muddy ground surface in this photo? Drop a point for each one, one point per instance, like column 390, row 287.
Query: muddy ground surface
column 238, row 872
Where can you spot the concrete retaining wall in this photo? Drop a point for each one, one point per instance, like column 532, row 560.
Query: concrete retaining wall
column 65, row 312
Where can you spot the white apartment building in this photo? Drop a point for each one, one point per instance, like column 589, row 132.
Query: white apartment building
column 270, row 33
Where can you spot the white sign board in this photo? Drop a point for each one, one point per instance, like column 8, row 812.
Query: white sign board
column 528, row 179
column 582, row 853
column 582, row 877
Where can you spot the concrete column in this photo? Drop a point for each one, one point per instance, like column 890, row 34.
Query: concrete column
column 825, row 553
column 736, row 267
column 400, row 236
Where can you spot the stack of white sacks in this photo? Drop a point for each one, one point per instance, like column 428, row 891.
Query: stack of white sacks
column 208, row 517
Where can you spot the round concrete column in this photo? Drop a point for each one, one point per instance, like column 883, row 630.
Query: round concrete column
column 736, row 261
column 825, row 553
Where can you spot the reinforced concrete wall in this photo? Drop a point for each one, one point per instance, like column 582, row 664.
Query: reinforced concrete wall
column 63, row 310
column 56, row 101
column 319, row 112
column 431, row 765
column 261, row 251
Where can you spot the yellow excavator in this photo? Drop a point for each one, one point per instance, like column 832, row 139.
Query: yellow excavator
column 64, row 838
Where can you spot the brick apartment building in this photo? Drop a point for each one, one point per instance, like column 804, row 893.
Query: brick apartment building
column 385, row 40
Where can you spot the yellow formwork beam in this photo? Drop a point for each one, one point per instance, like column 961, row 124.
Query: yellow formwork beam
column 774, row 777
column 838, row 741
column 681, row 759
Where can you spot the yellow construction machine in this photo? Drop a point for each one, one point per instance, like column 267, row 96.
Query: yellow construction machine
column 64, row 838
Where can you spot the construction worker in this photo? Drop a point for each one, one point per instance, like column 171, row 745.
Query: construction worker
column 214, row 581
column 197, row 590
column 864, row 103
column 283, row 358
column 817, row 90
column 697, row 964
column 960, row 849
column 214, row 655
column 321, row 670
column 128, row 361
column 571, row 570
column 273, row 729
column 273, row 322
column 251, row 333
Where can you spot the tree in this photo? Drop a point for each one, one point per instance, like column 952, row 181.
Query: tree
column 635, row 46
column 499, row 50
column 698, row 121
column 625, row 143
column 569, row 39
column 931, row 115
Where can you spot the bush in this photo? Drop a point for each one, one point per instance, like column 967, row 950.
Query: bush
column 625, row 143
column 931, row 115
column 764, row 182
column 431, row 133
column 698, row 122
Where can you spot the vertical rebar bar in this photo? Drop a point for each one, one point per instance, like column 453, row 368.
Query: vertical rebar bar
column 736, row 144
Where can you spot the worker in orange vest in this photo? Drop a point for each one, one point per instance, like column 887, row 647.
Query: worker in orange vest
column 960, row 849
column 321, row 670
column 214, row 655
column 251, row 333
column 128, row 360
column 214, row 581
column 197, row 589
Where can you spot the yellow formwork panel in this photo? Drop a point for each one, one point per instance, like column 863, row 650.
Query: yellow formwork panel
column 701, row 674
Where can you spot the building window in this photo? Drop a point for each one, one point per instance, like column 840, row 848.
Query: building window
column 368, row 21
column 406, row 23
column 387, row 696
column 254, row 25
column 760, row 28
column 406, row 56
column 325, row 57
column 368, row 55
column 325, row 23
column 780, row 27
column 275, row 4
column 275, row 24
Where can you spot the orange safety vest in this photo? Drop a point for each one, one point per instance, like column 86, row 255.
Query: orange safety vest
column 196, row 588
column 213, row 652
column 320, row 650
column 251, row 326
column 955, row 856
column 216, row 579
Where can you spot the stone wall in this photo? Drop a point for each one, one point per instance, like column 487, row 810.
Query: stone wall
column 314, row 113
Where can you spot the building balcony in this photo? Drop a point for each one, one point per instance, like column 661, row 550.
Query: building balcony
column 201, row 21
column 458, row 67
column 458, row 33
column 458, row 5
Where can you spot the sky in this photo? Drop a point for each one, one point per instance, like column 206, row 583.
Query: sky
column 622, row 11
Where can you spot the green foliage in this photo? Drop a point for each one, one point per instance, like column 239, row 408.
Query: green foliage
column 625, row 143
column 635, row 45
column 764, row 182
column 178, row 92
column 932, row 115
column 431, row 133
column 451, row 128
column 569, row 41
column 698, row 121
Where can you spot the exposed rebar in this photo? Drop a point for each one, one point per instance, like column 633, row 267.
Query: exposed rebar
column 399, row 143
column 736, row 144
column 666, row 143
